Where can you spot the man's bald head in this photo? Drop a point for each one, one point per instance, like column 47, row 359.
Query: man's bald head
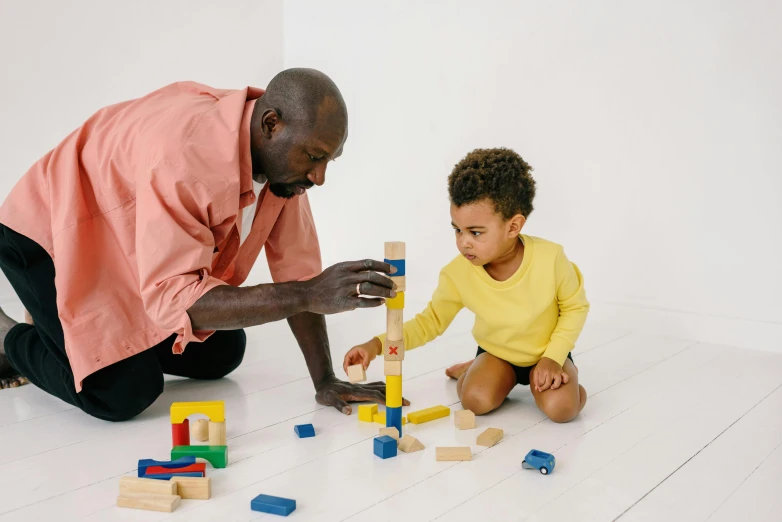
column 306, row 96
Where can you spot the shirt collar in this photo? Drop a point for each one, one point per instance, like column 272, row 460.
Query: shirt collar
column 246, row 165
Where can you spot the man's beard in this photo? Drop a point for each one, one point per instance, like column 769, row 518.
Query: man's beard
column 287, row 190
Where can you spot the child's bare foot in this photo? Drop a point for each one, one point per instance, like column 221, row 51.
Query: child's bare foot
column 457, row 370
column 9, row 377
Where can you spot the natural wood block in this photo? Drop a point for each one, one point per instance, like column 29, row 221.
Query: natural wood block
column 490, row 437
column 394, row 250
column 455, row 453
column 410, row 444
column 394, row 350
column 356, row 373
column 366, row 412
column 193, row 487
column 391, row 432
column 429, row 414
column 396, row 303
column 145, row 485
column 216, row 433
column 149, row 501
column 392, row 368
column 394, row 324
column 200, row 430
column 464, row 419
column 401, row 284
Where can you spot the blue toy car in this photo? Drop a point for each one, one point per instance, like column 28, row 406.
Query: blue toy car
column 539, row 460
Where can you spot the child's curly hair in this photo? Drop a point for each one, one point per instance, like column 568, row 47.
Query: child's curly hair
column 499, row 175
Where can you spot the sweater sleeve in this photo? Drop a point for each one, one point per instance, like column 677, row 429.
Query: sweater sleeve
column 573, row 309
column 436, row 317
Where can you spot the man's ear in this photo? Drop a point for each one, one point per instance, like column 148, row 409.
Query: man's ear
column 271, row 121
column 515, row 224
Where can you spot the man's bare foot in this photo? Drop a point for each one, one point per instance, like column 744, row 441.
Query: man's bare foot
column 9, row 377
column 457, row 370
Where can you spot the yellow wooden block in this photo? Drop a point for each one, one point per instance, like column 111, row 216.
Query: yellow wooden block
column 401, row 284
column 392, row 368
column 456, row 453
column 464, row 419
column 380, row 418
column 394, row 250
column 429, row 414
column 215, row 410
column 396, row 303
column 149, row 501
column 216, row 434
column 366, row 412
column 394, row 324
column 199, row 430
column 197, row 488
column 393, row 391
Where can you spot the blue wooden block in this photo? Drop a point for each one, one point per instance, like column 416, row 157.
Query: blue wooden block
column 394, row 418
column 399, row 264
column 304, row 431
column 274, row 505
column 168, row 476
column 143, row 464
column 385, row 447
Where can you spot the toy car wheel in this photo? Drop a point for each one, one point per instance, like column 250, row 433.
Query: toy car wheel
column 544, row 470
column 525, row 465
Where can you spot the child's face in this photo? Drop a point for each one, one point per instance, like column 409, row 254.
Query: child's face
column 482, row 235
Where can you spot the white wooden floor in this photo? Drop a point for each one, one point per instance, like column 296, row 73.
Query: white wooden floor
column 673, row 430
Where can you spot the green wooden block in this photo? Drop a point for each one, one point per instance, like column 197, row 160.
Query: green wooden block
column 216, row 455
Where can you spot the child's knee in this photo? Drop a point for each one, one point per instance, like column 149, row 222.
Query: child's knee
column 478, row 400
column 562, row 409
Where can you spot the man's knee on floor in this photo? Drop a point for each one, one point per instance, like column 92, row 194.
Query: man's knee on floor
column 117, row 397
column 479, row 400
column 231, row 355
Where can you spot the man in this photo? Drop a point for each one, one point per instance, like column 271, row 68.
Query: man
column 127, row 244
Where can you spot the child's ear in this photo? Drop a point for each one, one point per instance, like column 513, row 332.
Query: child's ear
column 515, row 224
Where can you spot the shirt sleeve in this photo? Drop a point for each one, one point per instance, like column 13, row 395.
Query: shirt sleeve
column 437, row 316
column 573, row 309
column 292, row 248
column 174, row 249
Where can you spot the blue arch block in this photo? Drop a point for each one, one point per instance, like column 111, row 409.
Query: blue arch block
column 399, row 264
column 394, row 418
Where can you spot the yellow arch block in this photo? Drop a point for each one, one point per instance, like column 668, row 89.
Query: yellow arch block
column 396, row 303
column 215, row 410
column 393, row 391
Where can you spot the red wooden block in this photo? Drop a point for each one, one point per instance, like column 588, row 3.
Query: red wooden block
column 198, row 467
column 180, row 433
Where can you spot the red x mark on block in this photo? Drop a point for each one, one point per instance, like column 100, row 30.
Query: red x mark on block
column 392, row 350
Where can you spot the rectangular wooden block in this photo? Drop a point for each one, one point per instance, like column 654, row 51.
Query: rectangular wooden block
column 215, row 410
column 393, row 391
column 143, row 464
column 149, row 501
column 394, row 350
column 394, row 250
column 464, row 419
column 455, row 453
column 356, row 373
column 274, row 505
column 429, row 414
column 199, row 467
column 394, row 324
column 193, row 487
column 145, row 485
column 396, row 303
column 392, row 368
column 410, row 444
column 490, row 437
column 401, row 283
column 216, row 455
column 366, row 412
column 391, row 432
column 180, row 433
column 216, row 433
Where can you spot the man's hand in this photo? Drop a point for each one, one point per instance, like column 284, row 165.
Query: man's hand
column 338, row 393
column 548, row 374
column 337, row 288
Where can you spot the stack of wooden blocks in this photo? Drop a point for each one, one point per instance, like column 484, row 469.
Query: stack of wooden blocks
column 216, row 452
column 394, row 346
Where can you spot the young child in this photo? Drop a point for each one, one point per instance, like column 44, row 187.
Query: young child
column 528, row 298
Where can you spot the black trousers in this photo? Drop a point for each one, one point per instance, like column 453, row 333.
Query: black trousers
column 115, row 393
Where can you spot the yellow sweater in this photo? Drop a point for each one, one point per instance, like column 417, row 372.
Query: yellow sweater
column 538, row 312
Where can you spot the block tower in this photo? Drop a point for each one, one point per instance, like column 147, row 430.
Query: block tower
column 394, row 347
column 217, row 451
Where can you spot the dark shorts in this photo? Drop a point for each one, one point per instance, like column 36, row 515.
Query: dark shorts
column 522, row 372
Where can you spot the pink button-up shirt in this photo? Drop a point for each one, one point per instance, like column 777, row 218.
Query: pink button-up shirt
column 139, row 209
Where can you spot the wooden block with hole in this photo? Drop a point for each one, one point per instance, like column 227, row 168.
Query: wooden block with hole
column 464, row 419
column 216, row 433
column 410, row 444
column 356, row 373
column 145, row 485
column 149, row 501
column 392, row 368
column 193, row 487
column 390, row 431
column 490, row 437
column 199, row 430
column 454, row 453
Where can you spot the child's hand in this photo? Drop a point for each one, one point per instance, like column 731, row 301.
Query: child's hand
column 362, row 354
column 548, row 374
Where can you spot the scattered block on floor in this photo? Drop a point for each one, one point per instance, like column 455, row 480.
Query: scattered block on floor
column 464, row 419
column 429, row 414
column 274, row 505
column 149, row 501
column 410, row 444
column 160, row 470
column 215, row 410
column 390, row 431
column 196, row 488
column 143, row 464
column 385, row 447
column 490, row 437
column 304, row 430
column 199, row 430
column 356, row 373
column 168, row 476
column 366, row 412
column 392, row 368
column 216, row 455
column 454, row 453
column 216, row 433
column 145, row 485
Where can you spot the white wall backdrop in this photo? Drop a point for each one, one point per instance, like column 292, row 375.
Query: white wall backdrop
column 654, row 130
